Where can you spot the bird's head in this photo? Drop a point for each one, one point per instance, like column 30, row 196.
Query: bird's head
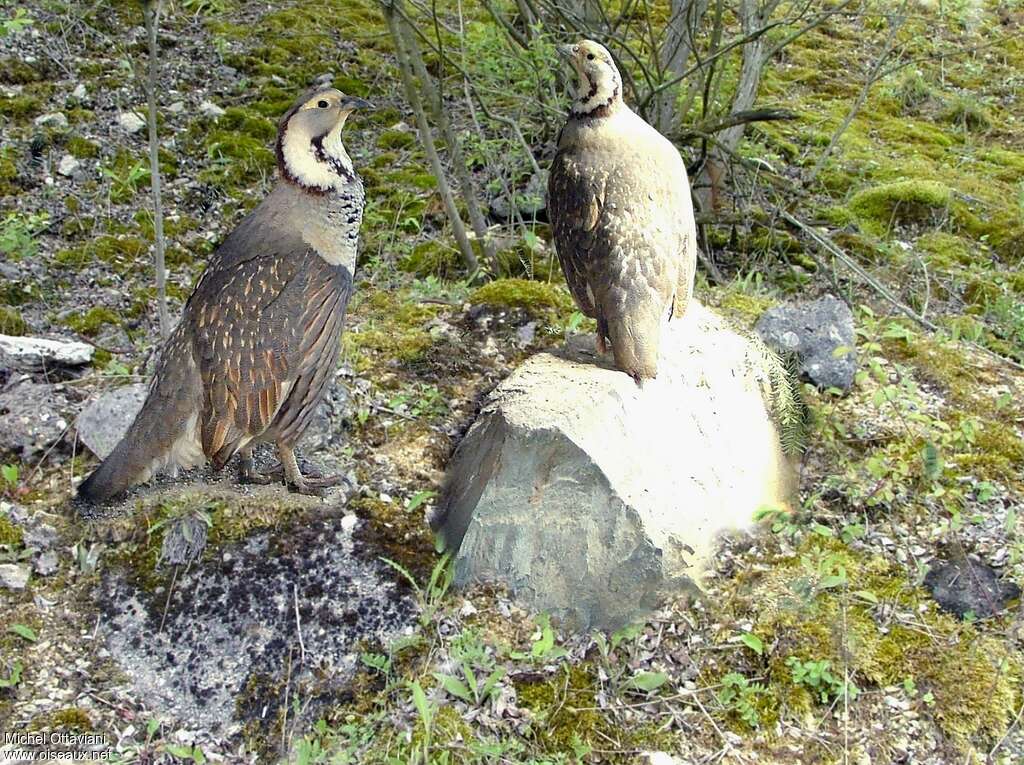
column 599, row 90
column 310, row 153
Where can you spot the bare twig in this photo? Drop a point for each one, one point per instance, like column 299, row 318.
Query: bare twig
column 151, row 12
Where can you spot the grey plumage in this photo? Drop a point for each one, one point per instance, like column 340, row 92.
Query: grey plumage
column 258, row 340
column 620, row 207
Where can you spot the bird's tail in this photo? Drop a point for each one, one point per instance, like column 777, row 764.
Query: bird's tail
column 164, row 432
column 634, row 336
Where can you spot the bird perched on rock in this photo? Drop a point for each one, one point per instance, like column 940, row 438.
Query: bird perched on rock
column 259, row 338
column 619, row 203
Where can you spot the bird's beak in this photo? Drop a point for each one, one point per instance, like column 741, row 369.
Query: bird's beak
column 567, row 52
column 349, row 103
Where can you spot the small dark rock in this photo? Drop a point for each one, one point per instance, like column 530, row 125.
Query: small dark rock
column 814, row 330
column 967, row 585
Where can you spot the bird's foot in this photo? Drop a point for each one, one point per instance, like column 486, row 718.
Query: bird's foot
column 247, row 472
column 315, row 486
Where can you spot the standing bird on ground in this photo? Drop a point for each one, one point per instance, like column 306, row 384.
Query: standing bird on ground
column 259, row 338
column 619, row 203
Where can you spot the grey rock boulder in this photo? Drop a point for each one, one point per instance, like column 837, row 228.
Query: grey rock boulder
column 814, row 330
column 37, row 353
column 30, row 418
column 594, row 499
column 105, row 419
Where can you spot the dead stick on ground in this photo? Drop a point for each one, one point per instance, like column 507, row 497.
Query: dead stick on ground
column 298, row 625
column 151, row 14
column 833, row 249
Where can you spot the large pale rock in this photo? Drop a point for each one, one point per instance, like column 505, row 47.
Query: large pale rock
column 105, row 419
column 35, row 353
column 592, row 498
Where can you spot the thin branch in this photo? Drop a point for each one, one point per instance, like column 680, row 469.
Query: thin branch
column 151, row 12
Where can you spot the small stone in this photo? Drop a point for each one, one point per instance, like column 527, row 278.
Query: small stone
column 47, row 563
column 32, row 354
column 79, row 92
column 820, row 333
column 14, row 576
column 52, row 120
column 210, row 109
column 104, row 420
column 67, row 166
column 130, row 122
column 39, row 536
column 178, row 107
column 349, row 522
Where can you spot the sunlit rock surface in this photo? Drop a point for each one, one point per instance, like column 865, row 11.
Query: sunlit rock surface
column 594, row 499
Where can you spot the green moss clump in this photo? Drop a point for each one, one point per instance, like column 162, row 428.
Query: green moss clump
column 82, row 148
column 72, row 719
column 122, row 252
column 395, row 139
column 11, row 322
column 400, row 534
column 537, row 298
column 974, row 678
column 968, row 113
column 8, row 173
column 744, row 307
column 946, row 250
column 20, row 108
column 237, row 161
column 431, row 258
column 878, row 208
column 386, row 328
column 92, row 321
column 14, row 71
column 9, row 533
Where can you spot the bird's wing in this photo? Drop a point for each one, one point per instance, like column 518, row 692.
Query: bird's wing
column 256, row 324
column 575, row 204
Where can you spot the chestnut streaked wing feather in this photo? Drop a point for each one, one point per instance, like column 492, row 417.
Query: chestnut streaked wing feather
column 251, row 357
column 575, row 202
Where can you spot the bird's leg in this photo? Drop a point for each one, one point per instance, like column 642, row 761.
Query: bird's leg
column 247, row 472
column 300, row 483
column 602, row 334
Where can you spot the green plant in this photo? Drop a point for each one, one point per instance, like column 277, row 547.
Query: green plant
column 543, row 646
column 14, row 677
column 470, row 688
column 817, row 675
column 16, row 24
column 10, row 475
column 126, row 181
column 23, row 630
column 427, row 712
column 431, row 596
column 740, row 697
column 18, row 232
column 191, row 753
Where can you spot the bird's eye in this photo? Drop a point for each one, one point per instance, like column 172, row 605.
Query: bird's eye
column 322, row 104
column 590, row 57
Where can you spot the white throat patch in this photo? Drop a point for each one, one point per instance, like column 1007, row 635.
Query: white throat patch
column 303, row 163
column 605, row 90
